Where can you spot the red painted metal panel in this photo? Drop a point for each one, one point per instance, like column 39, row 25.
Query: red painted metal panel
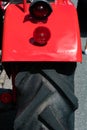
column 63, row 45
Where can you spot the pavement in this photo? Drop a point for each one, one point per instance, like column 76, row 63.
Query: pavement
column 80, row 88
column 81, row 91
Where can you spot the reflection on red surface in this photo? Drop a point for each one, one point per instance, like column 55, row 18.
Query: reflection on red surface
column 41, row 35
column 63, row 45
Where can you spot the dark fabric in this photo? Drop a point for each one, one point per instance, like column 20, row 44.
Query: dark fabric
column 7, row 119
column 82, row 16
column 7, row 112
column 1, row 27
column 7, row 106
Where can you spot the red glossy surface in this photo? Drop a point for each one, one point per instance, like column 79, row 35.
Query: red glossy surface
column 63, row 45
column 41, row 35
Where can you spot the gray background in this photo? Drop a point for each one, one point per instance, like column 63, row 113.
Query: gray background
column 81, row 89
column 81, row 92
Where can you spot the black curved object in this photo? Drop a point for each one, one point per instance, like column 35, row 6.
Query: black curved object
column 82, row 16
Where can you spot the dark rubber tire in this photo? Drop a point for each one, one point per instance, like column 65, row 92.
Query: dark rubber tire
column 45, row 98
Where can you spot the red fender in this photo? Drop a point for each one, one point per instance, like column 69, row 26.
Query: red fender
column 64, row 43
